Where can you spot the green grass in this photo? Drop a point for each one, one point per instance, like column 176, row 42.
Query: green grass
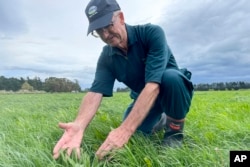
column 217, row 123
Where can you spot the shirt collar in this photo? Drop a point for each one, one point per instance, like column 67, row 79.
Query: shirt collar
column 132, row 38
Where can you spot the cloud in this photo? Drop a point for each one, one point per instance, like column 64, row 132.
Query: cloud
column 11, row 20
column 210, row 38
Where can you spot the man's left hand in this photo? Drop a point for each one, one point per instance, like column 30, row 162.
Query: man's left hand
column 115, row 140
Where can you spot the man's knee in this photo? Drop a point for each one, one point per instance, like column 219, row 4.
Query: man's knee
column 171, row 78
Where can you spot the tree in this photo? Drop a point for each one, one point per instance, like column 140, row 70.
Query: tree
column 27, row 86
column 36, row 83
column 53, row 84
column 10, row 84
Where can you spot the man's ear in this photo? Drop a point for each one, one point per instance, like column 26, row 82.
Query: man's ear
column 122, row 19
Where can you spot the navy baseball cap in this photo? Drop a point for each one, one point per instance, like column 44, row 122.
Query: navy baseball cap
column 100, row 13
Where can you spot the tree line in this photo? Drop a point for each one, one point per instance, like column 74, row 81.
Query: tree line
column 51, row 84
column 222, row 86
column 212, row 86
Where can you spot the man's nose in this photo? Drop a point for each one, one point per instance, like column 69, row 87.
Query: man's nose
column 105, row 34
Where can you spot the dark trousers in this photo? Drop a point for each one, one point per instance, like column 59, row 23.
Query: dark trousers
column 175, row 96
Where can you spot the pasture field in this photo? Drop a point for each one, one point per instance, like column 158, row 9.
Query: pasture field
column 218, row 121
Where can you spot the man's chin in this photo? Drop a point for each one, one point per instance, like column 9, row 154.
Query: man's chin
column 113, row 44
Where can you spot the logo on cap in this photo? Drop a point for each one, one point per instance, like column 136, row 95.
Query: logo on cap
column 92, row 11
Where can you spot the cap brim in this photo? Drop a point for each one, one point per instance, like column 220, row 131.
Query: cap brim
column 100, row 22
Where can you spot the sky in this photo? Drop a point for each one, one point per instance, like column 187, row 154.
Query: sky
column 45, row 38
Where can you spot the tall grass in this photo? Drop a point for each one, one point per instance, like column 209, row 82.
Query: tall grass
column 217, row 123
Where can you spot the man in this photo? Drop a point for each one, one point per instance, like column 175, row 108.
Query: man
column 139, row 57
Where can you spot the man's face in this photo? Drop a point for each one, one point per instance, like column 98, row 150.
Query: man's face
column 112, row 34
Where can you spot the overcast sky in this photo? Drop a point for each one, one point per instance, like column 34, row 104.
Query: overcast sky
column 48, row 37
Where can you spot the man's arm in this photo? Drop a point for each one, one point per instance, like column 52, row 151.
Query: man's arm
column 73, row 131
column 120, row 136
column 88, row 109
column 141, row 107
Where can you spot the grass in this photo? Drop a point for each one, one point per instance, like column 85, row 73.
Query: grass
column 217, row 123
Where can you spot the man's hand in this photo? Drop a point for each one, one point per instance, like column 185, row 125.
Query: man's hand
column 70, row 140
column 115, row 140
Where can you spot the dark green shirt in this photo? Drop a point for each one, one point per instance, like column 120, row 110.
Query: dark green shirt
column 147, row 57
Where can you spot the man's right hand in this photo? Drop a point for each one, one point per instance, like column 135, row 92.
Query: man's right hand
column 71, row 139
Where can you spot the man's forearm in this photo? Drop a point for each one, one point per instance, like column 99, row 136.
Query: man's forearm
column 141, row 107
column 88, row 109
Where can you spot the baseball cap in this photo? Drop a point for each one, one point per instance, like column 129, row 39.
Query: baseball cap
column 100, row 13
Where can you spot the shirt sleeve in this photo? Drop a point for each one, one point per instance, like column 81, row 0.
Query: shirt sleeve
column 104, row 78
column 158, row 54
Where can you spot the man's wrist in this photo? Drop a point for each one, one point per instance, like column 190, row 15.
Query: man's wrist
column 80, row 125
column 129, row 129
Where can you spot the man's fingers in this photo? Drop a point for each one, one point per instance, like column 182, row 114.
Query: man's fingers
column 78, row 153
column 56, row 155
column 61, row 142
column 59, row 145
column 69, row 141
column 69, row 151
column 63, row 125
column 104, row 150
column 57, row 148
